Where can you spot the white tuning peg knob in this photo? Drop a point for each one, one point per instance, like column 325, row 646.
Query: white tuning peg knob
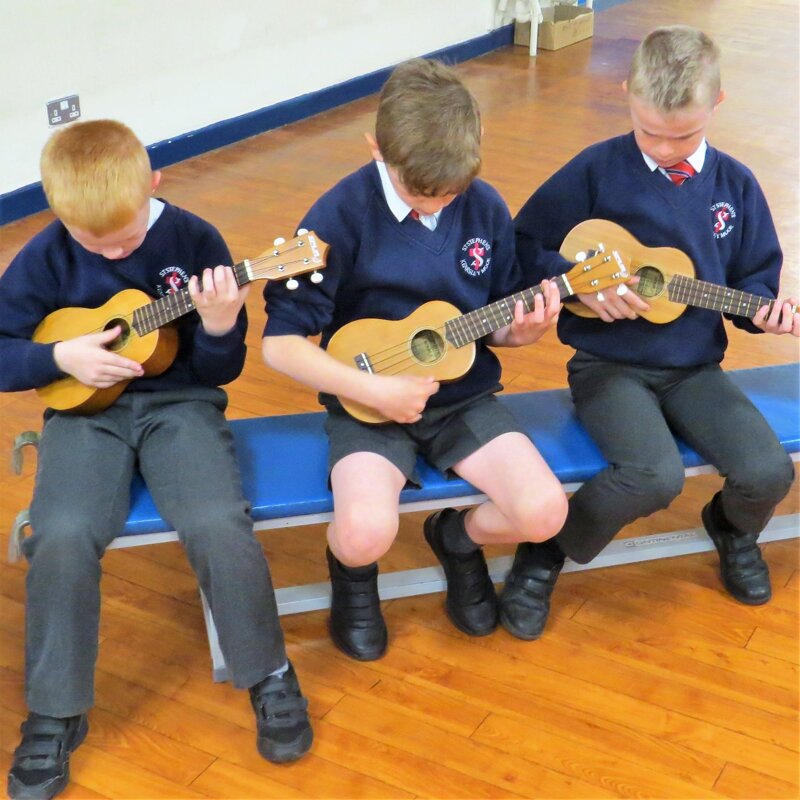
column 279, row 241
column 302, row 231
column 292, row 284
column 316, row 277
column 580, row 255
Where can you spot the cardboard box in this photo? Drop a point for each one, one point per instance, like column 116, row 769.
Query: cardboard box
column 562, row 26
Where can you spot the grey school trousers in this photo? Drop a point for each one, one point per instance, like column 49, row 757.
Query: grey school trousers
column 631, row 413
column 183, row 447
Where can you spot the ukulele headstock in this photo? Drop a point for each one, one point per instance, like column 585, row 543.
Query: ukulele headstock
column 306, row 252
column 597, row 272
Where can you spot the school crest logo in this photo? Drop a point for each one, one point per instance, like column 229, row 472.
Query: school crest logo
column 722, row 219
column 475, row 256
column 173, row 279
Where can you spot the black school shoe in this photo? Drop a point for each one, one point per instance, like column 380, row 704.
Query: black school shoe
column 744, row 572
column 40, row 769
column 471, row 601
column 525, row 599
column 283, row 730
column 356, row 623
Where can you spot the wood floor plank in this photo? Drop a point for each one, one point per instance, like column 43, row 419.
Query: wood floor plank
column 591, row 765
column 525, row 674
column 409, row 734
column 737, row 781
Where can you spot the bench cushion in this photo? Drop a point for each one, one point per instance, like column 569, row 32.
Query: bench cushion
column 284, row 458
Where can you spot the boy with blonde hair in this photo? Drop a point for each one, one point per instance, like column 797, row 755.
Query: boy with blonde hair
column 111, row 235
column 414, row 225
column 636, row 383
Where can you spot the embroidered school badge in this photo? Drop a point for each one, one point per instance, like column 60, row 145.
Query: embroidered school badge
column 722, row 215
column 475, row 256
column 173, row 279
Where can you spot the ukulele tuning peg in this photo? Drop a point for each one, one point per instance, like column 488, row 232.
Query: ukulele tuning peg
column 292, row 284
column 580, row 255
column 316, row 277
column 302, row 231
column 279, row 241
column 601, row 248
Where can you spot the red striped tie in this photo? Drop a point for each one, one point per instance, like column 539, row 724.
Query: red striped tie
column 680, row 172
column 414, row 214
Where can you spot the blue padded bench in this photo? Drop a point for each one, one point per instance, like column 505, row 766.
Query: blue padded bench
column 284, row 471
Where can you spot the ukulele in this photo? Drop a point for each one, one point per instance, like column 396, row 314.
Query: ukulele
column 666, row 275
column 438, row 340
column 146, row 334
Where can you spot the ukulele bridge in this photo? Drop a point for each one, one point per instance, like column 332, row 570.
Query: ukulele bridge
column 363, row 363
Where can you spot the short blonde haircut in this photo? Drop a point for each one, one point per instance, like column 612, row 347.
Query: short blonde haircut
column 675, row 67
column 429, row 128
column 96, row 175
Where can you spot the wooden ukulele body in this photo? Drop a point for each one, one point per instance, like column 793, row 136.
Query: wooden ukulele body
column 654, row 266
column 155, row 351
column 415, row 345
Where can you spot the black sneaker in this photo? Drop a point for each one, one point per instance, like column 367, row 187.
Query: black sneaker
column 356, row 623
column 525, row 599
column 40, row 769
column 283, row 730
column 744, row 572
column 471, row 601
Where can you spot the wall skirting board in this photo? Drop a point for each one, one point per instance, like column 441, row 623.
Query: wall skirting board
column 30, row 199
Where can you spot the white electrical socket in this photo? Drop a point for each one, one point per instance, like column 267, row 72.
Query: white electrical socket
column 65, row 109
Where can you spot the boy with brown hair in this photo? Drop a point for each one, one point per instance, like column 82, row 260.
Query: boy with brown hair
column 414, row 225
column 110, row 235
column 636, row 383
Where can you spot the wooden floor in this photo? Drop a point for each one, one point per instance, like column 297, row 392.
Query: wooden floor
column 650, row 681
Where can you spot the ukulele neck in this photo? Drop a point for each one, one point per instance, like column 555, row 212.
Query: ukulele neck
column 693, row 292
column 474, row 325
column 177, row 304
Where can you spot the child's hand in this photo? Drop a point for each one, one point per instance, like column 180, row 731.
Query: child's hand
column 615, row 303
column 87, row 359
column 401, row 398
column 784, row 318
column 528, row 327
column 220, row 300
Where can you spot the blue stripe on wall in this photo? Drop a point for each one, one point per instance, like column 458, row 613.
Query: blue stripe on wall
column 30, row 199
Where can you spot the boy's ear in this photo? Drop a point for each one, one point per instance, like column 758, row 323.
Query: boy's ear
column 719, row 99
column 156, row 179
column 373, row 147
column 624, row 85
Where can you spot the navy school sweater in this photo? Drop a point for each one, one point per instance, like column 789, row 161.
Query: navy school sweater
column 381, row 268
column 719, row 218
column 53, row 271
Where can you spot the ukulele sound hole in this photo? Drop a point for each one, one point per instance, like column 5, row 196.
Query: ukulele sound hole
column 427, row 346
column 124, row 336
column 651, row 282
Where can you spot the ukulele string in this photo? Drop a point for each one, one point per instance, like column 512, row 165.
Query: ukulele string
column 398, row 354
column 379, row 359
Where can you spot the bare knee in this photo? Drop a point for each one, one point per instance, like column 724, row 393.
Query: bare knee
column 539, row 515
column 360, row 535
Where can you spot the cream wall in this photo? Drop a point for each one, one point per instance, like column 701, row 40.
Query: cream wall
column 168, row 67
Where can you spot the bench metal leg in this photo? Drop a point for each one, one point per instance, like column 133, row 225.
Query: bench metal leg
column 408, row 583
column 25, row 438
column 219, row 669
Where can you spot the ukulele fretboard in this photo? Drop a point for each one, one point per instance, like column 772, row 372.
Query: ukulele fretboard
column 692, row 292
column 473, row 325
column 166, row 309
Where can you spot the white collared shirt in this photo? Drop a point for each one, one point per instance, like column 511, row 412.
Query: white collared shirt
column 399, row 208
column 156, row 207
column 696, row 159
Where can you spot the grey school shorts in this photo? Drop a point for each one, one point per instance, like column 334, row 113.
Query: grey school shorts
column 444, row 435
